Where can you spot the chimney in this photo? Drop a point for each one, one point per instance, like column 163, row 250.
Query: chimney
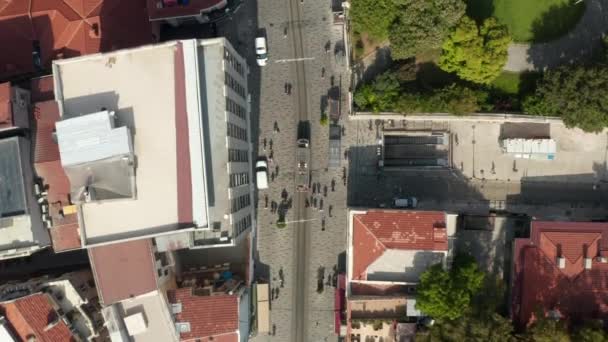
column 561, row 262
column 587, row 263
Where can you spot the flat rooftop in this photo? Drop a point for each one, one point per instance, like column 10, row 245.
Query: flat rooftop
column 146, row 88
column 155, row 311
column 12, row 188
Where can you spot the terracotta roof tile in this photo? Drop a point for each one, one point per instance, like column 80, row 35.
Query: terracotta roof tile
column 41, row 89
column 46, row 114
column 378, row 230
column 33, row 316
column 576, row 292
column 65, row 235
column 207, row 315
column 67, row 28
column 123, row 270
column 6, row 108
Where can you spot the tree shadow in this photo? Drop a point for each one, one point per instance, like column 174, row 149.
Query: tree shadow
column 557, row 21
column 480, row 10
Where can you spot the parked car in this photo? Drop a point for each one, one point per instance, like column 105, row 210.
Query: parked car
column 261, row 51
column 261, row 174
column 407, row 202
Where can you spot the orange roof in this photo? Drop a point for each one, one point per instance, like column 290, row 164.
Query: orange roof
column 123, row 270
column 378, row 230
column 6, row 109
column 67, row 28
column 209, row 316
column 33, row 315
column 539, row 282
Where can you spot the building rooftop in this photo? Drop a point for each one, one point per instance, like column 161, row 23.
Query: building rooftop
column 12, row 189
column 208, row 316
column 35, row 316
column 562, row 268
column 39, row 31
column 140, row 84
column 124, row 319
column 65, row 228
column 123, row 270
column 399, row 243
column 167, row 9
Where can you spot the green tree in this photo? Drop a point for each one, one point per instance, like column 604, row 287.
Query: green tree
column 591, row 331
column 454, row 99
column 380, row 95
column 422, row 25
column 373, row 17
column 447, row 295
column 546, row 329
column 493, row 327
column 476, row 53
column 577, row 94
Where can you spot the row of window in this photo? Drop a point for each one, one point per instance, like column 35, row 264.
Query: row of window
column 240, row 202
column 236, row 109
column 236, row 155
column 236, row 65
column 237, row 132
column 238, row 179
column 235, row 85
column 242, row 225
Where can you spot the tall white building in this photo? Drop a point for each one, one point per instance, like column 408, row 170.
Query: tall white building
column 155, row 143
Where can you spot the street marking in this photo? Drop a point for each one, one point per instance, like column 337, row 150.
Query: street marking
column 294, row 60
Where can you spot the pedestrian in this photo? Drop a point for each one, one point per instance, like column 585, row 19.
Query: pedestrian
column 264, row 143
column 329, row 209
column 276, row 170
column 333, row 185
column 270, row 144
column 323, row 224
column 265, row 201
column 272, row 176
column 276, row 127
column 324, row 190
column 314, row 188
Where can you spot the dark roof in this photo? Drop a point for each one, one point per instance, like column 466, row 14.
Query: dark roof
column 573, row 291
column 33, row 315
column 207, row 315
column 67, row 28
column 12, row 187
column 194, row 7
column 378, row 230
column 123, row 270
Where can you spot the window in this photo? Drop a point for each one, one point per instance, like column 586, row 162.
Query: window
column 240, row 203
column 242, row 225
column 234, row 85
column 238, row 179
column 236, row 109
column 236, row 155
column 233, row 62
column 236, row 131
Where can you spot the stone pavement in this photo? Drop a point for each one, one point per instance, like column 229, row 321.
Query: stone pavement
column 274, row 245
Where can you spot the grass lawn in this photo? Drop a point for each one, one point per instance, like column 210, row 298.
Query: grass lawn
column 514, row 83
column 530, row 20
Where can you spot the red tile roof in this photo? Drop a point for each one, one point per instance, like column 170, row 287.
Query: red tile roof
column 6, row 108
column 67, row 28
column 123, row 270
column 575, row 292
column 41, row 88
column 65, row 235
column 31, row 315
column 194, row 7
column 207, row 315
column 378, row 230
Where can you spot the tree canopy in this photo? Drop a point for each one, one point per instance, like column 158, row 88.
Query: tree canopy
column 476, row 53
column 422, row 25
column 446, row 295
column 373, row 17
column 493, row 327
column 577, row 94
column 380, row 95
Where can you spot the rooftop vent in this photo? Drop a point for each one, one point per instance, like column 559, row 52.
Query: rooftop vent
column 136, row 324
column 176, row 308
column 561, row 262
column 182, row 327
column 601, row 259
column 587, row 263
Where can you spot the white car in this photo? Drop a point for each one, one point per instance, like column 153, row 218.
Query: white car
column 261, row 51
column 261, row 174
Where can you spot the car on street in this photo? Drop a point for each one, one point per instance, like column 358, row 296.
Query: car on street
column 407, row 202
column 261, row 174
column 261, row 51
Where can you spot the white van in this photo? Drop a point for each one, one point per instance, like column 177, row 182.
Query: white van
column 408, row 202
column 261, row 51
column 261, row 174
